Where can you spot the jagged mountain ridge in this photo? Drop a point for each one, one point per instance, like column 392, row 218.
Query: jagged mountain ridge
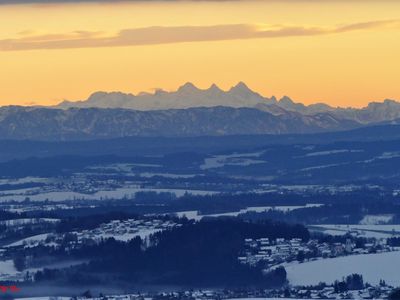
column 189, row 96
column 38, row 123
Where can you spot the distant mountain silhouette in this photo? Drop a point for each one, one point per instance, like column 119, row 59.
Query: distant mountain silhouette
column 187, row 96
column 239, row 96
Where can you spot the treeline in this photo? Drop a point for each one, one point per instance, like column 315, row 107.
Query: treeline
column 60, row 164
column 339, row 208
column 17, row 186
column 351, row 212
column 7, row 215
column 393, row 242
column 350, row 283
column 360, row 202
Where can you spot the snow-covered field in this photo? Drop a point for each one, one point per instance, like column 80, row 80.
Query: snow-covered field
column 384, row 155
column 7, row 267
column 45, row 298
column 264, row 299
column 330, row 152
column 25, row 221
column 237, row 159
column 194, row 214
column 123, row 298
column 24, row 180
column 373, row 231
column 166, row 175
column 7, row 270
column 376, row 219
column 121, row 167
column 118, row 193
column 30, row 241
column 373, row 268
column 366, row 234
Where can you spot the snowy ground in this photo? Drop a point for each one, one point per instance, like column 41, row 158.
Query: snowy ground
column 119, row 193
column 166, row 175
column 25, row 221
column 24, row 180
column 8, row 271
column 30, row 241
column 45, row 298
column 322, row 153
column 376, row 219
column 373, row 268
column 237, row 159
column 375, row 231
column 194, row 214
column 264, row 299
column 122, row 297
column 7, row 267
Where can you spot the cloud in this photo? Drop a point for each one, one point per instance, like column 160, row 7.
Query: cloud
column 109, row 1
column 181, row 34
column 66, row 1
column 113, row 1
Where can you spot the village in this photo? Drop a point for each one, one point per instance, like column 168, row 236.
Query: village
column 122, row 230
column 270, row 253
column 323, row 292
column 125, row 230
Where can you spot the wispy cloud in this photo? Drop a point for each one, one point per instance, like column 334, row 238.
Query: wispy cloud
column 13, row 2
column 181, row 34
column 113, row 1
column 75, row 1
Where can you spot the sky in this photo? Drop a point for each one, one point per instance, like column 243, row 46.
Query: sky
column 341, row 52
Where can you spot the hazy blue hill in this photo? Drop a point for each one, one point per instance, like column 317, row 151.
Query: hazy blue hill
column 96, row 123
column 128, row 146
column 368, row 155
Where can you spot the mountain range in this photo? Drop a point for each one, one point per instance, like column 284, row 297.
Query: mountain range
column 239, row 96
column 189, row 96
column 187, row 112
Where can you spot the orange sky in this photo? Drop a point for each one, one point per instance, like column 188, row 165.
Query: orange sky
column 344, row 53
